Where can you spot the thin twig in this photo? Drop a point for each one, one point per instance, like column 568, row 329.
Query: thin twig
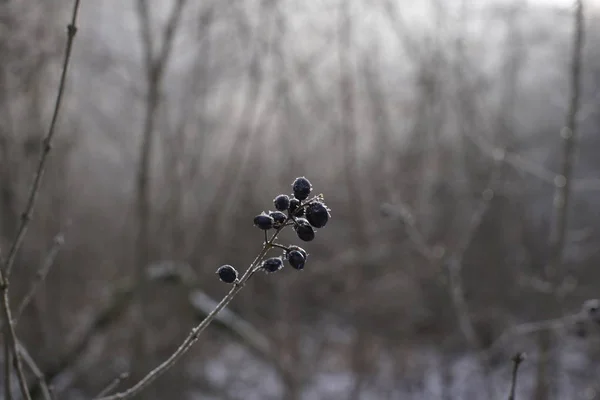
column 26, row 216
column 12, row 340
column 40, row 276
column 533, row 327
column 47, row 145
column 196, row 331
column 36, row 371
column 7, row 371
column 113, row 384
column 233, row 323
column 517, row 360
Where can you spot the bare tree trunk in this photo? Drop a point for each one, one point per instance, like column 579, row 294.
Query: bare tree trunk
column 468, row 114
column 155, row 64
column 348, row 135
column 554, row 271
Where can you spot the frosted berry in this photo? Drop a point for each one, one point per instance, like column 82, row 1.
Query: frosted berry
column 263, row 221
column 273, row 264
column 303, row 229
column 279, row 218
column 282, row 202
column 294, row 205
column 296, row 259
column 301, row 188
column 317, row 214
column 297, row 248
column 227, row 273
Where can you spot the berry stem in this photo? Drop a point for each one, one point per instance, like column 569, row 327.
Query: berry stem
column 198, row 329
column 280, row 246
column 318, row 197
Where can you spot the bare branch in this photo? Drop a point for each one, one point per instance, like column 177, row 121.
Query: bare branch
column 11, row 337
column 5, row 272
column 155, row 67
column 113, row 384
column 7, row 371
column 532, row 327
column 196, row 331
column 27, row 214
column 517, row 360
column 36, row 371
column 40, row 276
column 562, row 195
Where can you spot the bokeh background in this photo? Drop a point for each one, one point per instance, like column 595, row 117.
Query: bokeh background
column 436, row 131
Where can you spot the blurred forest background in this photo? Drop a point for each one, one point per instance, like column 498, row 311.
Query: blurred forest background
column 437, row 131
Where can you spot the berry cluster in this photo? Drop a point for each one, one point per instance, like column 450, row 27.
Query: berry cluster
column 296, row 210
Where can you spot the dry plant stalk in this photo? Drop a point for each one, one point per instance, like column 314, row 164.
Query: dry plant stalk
column 5, row 271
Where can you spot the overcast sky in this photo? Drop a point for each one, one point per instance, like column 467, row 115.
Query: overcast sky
column 594, row 3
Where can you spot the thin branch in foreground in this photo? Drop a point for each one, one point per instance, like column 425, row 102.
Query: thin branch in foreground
column 11, row 337
column 193, row 336
column 304, row 231
column 5, row 272
column 47, row 146
column 113, row 384
column 517, row 360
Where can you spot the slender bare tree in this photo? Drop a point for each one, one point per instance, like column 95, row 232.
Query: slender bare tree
column 155, row 61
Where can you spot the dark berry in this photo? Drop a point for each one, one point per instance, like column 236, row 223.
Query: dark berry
column 303, row 229
column 227, row 273
column 294, row 205
column 282, row 202
column 296, row 259
column 300, row 212
column 263, row 221
column 317, row 214
column 273, row 264
column 295, row 208
column 297, row 248
column 301, row 188
column 279, row 218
